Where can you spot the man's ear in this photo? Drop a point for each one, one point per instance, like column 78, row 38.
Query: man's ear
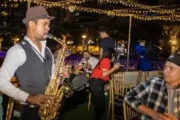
column 31, row 24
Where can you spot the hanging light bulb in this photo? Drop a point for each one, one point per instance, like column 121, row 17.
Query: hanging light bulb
column 4, row 13
column 71, row 8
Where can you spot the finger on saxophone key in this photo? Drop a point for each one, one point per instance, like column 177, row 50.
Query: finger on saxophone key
column 42, row 99
column 38, row 99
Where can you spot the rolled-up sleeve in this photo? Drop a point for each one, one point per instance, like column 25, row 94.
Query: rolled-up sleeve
column 12, row 61
column 138, row 95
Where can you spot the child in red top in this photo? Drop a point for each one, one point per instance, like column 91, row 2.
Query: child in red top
column 99, row 76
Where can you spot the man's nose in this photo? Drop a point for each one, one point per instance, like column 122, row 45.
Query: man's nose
column 47, row 28
column 165, row 71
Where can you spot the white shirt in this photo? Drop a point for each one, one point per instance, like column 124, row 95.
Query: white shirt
column 171, row 94
column 92, row 61
column 16, row 57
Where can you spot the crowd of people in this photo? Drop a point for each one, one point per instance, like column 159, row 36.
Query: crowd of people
column 32, row 62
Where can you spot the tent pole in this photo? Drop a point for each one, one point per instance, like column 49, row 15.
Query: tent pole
column 129, row 41
column 28, row 4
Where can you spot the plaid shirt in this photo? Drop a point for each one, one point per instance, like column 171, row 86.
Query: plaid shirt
column 153, row 94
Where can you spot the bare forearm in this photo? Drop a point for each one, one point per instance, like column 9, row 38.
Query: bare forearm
column 106, row 73
column 100, row 53
column 146, row 111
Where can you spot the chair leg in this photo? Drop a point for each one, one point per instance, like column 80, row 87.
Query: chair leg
column 9, row 109
column 110, row 102
column 89, row 101
column 124, row 111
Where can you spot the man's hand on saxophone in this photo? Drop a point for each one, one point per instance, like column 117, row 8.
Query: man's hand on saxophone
column 39, row 99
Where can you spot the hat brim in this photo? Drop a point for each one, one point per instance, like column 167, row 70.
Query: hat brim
column 26, row 20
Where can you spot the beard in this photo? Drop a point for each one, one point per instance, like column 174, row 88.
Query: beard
column 87, row 58
column 45, row 37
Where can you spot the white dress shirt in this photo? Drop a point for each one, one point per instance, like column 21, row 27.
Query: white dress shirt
column 92, row 61
column 16, row 57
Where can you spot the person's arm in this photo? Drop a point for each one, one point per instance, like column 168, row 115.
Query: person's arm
column 101, row 46
column 100, row 53
column 151, row 113
column 105, row 67
column 38, row 99
column 136, row 97
column 15, row 57
column 155, row 115
column 108, row 72
column 11, row 62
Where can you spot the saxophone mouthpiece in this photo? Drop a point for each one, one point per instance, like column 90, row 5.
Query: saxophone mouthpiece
column 50, row 36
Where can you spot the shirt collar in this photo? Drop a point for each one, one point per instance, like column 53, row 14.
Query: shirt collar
column 43, row 43
column 164, row 86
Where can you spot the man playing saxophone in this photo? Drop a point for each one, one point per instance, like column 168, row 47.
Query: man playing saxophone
column 32, row 62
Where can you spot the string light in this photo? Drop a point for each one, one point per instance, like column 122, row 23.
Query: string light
column 166, row 15
column 52, row 4
column 12, row 5
column 137, row 5
column 71, row 8
column 121, row 14
column 154, row 9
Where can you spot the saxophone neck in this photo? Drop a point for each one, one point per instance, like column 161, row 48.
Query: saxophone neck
column 64, row 38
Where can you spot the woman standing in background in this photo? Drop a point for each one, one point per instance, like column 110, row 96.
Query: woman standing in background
column 99, row 76
column 145, row 52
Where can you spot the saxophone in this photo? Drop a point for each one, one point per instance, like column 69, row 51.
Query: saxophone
column 56, row 88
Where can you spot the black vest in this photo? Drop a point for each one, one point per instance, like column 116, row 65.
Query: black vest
column 34, row 75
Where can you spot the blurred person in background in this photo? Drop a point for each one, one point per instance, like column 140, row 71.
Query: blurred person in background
column 145, row 52
column 99, row 77
column 106, row 41
column 88, row 62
